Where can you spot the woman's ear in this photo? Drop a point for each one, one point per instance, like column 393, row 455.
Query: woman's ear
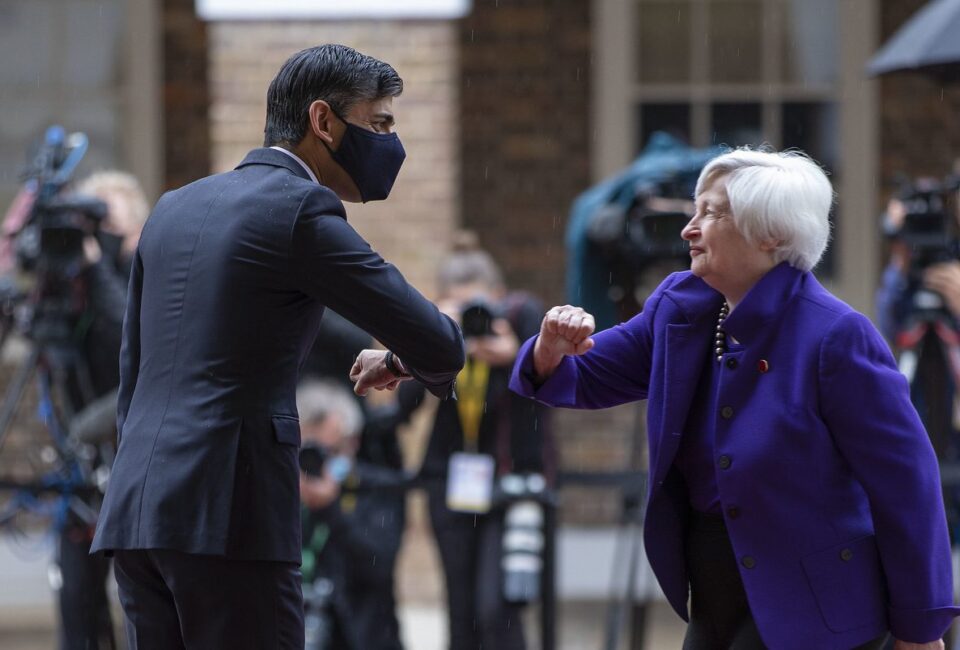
column 770, row 245
column 322, row 120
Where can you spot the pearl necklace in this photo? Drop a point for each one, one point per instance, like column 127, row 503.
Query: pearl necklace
column 721, row 337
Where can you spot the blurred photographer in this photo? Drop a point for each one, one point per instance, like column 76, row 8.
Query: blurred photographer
column 488, row 436
column 918, row 310
column 85, row 622
column 342, row 535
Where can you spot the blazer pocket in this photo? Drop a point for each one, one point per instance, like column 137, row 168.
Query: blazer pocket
column 286, row 428
column 848, row 584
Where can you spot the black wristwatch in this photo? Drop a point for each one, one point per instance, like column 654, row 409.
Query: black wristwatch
column 390, row 361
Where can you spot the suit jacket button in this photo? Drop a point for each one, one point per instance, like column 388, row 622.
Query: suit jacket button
column 748, row 562
column 733, row 512
column 724, row 462
column 732, row 364
column 846, row 555
column 726, row 412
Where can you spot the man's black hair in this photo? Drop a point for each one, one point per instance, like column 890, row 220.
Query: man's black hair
column 337, row 74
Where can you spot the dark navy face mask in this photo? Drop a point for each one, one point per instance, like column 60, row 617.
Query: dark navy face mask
column 371, row 159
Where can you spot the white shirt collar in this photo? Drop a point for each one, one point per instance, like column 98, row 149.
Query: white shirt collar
column 302, row 164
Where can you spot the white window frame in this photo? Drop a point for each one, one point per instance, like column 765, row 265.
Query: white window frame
column 331, row 9
column 616, row 94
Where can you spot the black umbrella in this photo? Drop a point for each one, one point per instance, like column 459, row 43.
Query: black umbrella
column 928, row 42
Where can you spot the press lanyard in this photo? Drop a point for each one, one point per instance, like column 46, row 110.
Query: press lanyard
column 471, row 400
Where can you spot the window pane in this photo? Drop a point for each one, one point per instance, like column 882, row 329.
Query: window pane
column 671, row 118
column 663, row 41
column 813, row 128
column 736, row 41
column 736, row 124
column 811, row 41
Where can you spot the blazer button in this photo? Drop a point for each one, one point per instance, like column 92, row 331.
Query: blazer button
column 724, row 462
column 732, row 364
column 733, row 512
column 763, row 365
column 846, row 555
column 726, row 412
column 748, row 562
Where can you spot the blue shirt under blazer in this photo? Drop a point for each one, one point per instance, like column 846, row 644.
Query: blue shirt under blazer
column 841, row 532
column 228, row 285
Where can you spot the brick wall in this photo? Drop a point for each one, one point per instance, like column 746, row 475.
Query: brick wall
column 412, row 228
column 185, row 94
column 525, row 133
column 525, row 128
column 919, row 116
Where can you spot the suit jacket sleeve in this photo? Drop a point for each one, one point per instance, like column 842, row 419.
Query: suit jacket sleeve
column 866, row 406
column 130, row 345
column 615, row 371
column 334, row 264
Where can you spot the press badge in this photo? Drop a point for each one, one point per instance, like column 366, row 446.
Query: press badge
column 470, row 483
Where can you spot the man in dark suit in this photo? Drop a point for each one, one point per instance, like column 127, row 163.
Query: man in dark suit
column 228, row 285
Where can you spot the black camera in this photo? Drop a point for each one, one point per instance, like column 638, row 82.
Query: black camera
column 313, row 457
column 641, row 232
column 53, row 239
column 928, row 226
column 49, row 245
column 476, row 318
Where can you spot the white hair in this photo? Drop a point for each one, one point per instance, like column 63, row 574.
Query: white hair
column 318, row 399
column 776, row 196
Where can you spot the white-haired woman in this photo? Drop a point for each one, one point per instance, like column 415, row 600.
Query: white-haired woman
column 794, row 494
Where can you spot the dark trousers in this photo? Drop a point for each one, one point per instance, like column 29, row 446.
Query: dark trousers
column 85, row 622
column 180, row 601
column 720, row 617
column 479, row 617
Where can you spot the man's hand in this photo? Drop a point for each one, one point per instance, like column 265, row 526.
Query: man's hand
column 370, row 371
column 906, row 645
column 497, row 350
column 944, row 278
column 318, row 492
column 564, row 330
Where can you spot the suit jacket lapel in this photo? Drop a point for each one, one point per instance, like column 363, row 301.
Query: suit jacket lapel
column 687, row 349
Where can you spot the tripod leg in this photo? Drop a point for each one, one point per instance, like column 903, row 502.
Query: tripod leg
column 14, row 395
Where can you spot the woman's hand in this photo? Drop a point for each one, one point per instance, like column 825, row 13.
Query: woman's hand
column 944, row 278
column 498, row 349
column 564, row 330
column 906, row 645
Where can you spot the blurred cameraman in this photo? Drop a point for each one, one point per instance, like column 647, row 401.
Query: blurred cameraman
column 85, row 622
column 342, row 542
column 918, row 310
column 488, row 434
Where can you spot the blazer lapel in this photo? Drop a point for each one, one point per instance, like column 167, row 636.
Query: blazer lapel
column 688, row 348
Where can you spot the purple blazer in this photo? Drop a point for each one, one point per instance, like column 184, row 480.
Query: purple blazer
column 840, row 531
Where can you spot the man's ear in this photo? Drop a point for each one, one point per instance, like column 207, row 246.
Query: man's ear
column 321, row 121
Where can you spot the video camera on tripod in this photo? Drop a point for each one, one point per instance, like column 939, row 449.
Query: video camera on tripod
column 926, row 224
column 44, row 297
column 644, row 232
column 48, row 228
